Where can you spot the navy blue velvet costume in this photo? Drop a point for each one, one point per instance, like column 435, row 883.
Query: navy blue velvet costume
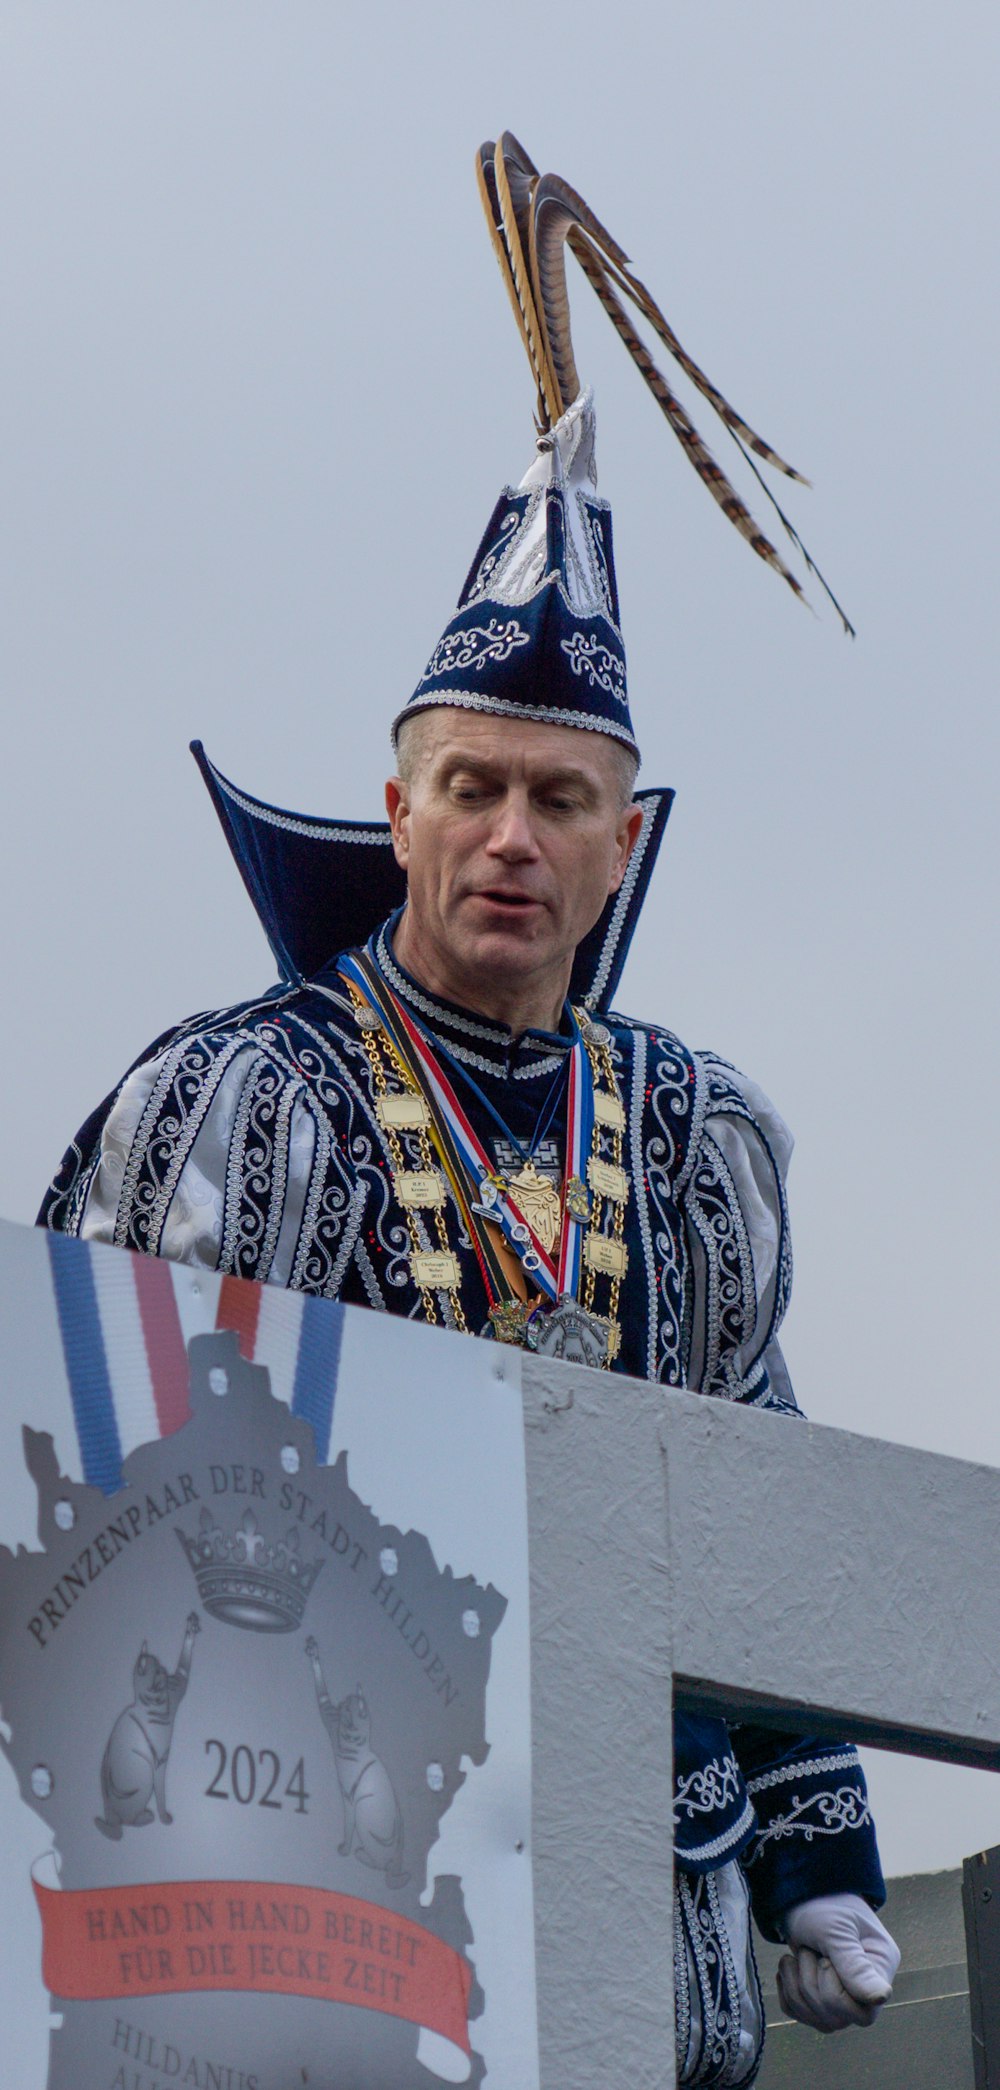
column 247, row 1141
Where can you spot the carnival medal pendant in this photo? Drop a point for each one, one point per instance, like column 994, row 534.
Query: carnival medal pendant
column 578, row 1200
column 540, row 1202
column 568, row 1331
column 509, row 1319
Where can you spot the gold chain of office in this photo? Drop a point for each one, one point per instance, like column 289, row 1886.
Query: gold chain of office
column 599, row 1203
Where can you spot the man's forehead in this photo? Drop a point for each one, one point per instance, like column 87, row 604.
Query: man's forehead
column 450, row 737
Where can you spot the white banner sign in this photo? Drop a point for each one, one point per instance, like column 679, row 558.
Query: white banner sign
column 264, row 1683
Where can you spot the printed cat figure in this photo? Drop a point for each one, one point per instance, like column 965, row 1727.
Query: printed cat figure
column 373, row 1824
column 134, row 1766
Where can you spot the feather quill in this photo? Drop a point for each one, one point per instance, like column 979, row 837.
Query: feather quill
column 695, row 448
column 513, row 193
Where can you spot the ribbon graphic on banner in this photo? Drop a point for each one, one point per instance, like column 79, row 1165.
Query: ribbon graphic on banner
column 189, row 1936
column 126, row 1355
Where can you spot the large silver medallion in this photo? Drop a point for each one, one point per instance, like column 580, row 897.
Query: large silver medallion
column 568, row 1331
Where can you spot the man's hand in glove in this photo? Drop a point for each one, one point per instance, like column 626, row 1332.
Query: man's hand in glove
column 842, row 1964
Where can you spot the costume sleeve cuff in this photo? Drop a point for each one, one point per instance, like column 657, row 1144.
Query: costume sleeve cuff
column 815, row 1835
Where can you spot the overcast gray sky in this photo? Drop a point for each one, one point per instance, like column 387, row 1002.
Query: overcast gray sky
column 260, row 388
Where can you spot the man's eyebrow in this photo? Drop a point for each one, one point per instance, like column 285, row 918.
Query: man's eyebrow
column 570, row 776
column 568, row 780
column 479, row 765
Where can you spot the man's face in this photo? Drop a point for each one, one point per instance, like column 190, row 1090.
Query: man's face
column 512, row 835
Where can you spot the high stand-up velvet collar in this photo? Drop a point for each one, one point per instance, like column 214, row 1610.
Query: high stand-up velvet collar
column 321, row 886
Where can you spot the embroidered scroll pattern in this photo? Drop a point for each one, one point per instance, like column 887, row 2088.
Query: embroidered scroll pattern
column 257, row 1173
column 832, row 1808
column 710, row 1787
column 730, row 1291
column 602, row 668
column 502, row 547
column 825, row 1813
column 709, row 1790
column 186, row 1083
column 718, row 2006
column 667, row 1129
column 475, row 648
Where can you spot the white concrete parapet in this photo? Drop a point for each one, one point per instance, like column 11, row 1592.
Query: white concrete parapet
column 745, row 1561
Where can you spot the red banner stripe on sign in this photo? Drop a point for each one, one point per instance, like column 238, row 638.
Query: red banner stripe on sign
column 186, row 1936
column 164, row 1340
column 239, row 1309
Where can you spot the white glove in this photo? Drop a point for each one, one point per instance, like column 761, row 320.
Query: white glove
column 842, row 1964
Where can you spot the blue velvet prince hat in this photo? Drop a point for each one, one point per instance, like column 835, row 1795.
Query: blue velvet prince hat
column 537, row 632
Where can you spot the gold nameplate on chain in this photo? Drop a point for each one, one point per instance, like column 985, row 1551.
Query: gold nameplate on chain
column 608, row 1256
column 607, row 1181
column 435, row 1270
column 608, row 1110
column 420, row 1189
column 406, row 1113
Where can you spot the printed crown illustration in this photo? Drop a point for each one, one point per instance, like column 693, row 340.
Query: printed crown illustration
column 245, row 1580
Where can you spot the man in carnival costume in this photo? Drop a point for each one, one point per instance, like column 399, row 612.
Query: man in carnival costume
column 444, row 1121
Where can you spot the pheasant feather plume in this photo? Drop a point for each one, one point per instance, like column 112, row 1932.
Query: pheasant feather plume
column 533, row 218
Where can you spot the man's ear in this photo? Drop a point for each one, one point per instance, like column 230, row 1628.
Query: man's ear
column 397, row 805
column 626, row 836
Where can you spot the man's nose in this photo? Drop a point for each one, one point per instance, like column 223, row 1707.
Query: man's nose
column 513, row 835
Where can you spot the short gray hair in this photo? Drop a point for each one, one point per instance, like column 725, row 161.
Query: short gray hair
column 411, row 746
column 627, row 768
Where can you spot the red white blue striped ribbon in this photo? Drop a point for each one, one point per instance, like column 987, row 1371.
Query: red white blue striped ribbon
column 125, row 1319
column 552, row 1278
column 579, row 1139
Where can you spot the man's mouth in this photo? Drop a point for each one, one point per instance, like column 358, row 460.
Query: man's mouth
column 510, row 902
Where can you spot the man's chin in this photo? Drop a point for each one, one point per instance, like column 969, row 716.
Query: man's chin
column 522, row 935
column 510, row 950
